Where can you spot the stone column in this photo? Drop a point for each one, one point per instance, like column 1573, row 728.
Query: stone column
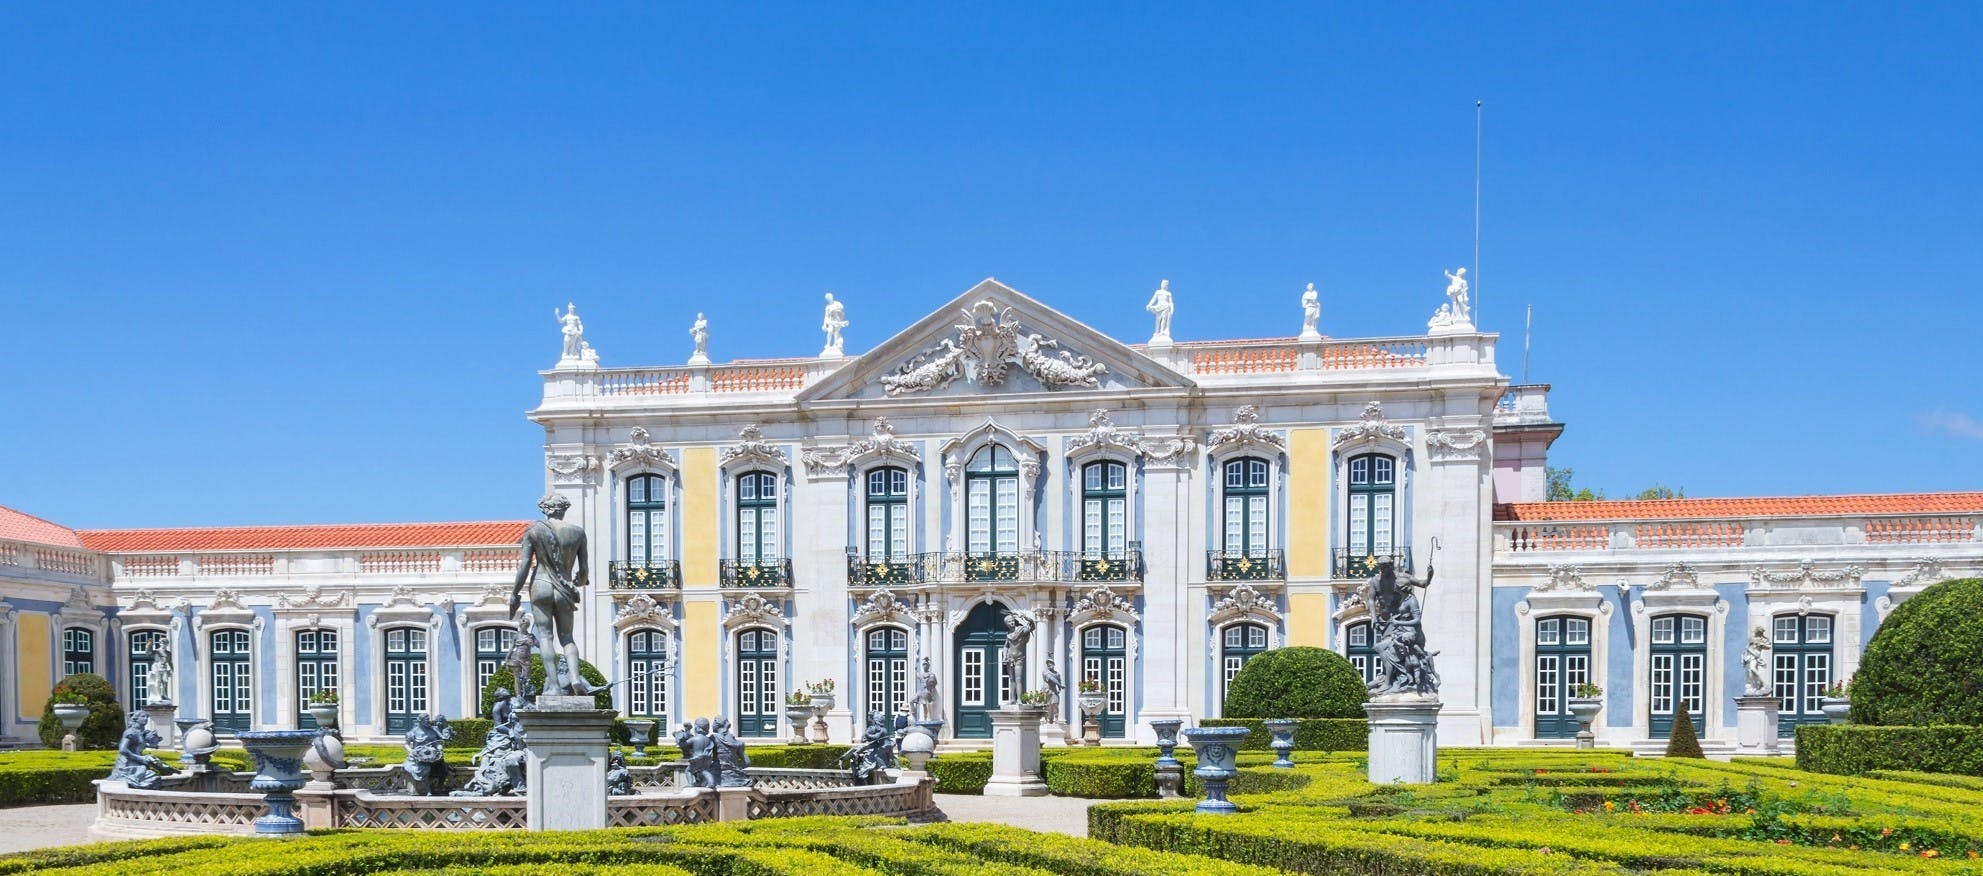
column 1403, row 739
column 1168, row 610
column 1756, row 723
column 1453, row 502
column 820, row 632
column 1016, row 753
column 567, row 763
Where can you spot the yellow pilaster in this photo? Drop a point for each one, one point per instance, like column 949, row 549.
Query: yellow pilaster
column 700, row 632
column 699, row 542
column 31, row 644
column 1308, row 503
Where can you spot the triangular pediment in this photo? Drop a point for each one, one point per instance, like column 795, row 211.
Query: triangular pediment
column 994, row 340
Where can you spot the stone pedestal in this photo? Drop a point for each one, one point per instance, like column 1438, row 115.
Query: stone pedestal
column 1170, row 780
column 163, row 719
column 734, row 804
column 1755, row 723
column 1403, row 739
column 1016, row 753
column 567, row 745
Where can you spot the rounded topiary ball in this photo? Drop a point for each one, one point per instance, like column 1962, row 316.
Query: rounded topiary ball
column 1922, row 665
column 104, row 728
column 1296, row 682
column 503, row 679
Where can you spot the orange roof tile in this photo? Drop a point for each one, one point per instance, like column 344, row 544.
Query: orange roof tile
column 21, row 526
column 1776, row 506
column 333, row 536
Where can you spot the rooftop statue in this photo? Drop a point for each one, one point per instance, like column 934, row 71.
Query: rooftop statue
column 1311, row 312
column 699, row 332
column 1404, row 665
column 835, row 320
column 1456, row 295
column 1160, row 305
column 574, row 332
column 553, row 568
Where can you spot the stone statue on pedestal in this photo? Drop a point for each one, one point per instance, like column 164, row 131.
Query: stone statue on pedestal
column 835, row 320
column 731, row 761
column 925, row 702
column 699, row 332
column 1160, row 305
column 553, row 567
column 134, row 767
column 426, row 762
column 1054, row 684
column 875, row 752
column 518, row 660
column 158, row 674
column 1311, row 312
column 1018, row 629
column 619, row 779
column 1756, row 662
column 574, row 332
column 1404, row 664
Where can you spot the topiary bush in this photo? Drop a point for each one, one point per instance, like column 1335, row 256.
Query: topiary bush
column 507, row 681
column 105, row 725
column 1682, row 742
column 1297, row 682
column 1921, row 667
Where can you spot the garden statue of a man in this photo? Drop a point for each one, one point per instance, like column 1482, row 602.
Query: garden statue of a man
column 1404, row 665
column 553, row 568
column 1161, row 307
column 158, row 674
column 926, row 685
column 1050, row 679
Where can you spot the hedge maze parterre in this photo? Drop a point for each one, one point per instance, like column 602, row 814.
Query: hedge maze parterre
column 1494, row 811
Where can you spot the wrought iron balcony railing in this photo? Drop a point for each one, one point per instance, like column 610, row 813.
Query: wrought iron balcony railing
column 1244, row 566
column 755, row 573
column 654, row 575
column 1364, row 565
column 959, row 566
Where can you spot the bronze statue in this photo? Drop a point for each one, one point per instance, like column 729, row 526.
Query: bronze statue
column 553, row 567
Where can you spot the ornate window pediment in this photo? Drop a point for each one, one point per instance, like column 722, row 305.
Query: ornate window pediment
column 641, row 451
column 1102, row 604
column 1245, row 602
column 753, row 609
column 313, row 596
column 837, row 460
column 1371, row 427
column 403, row 608
column 1677, row 576
column 642, row 610
column 1025, row 451
column 226, row 607
column 752, row 450
column 881, row 606
column 1104, row 437
column 1565, row 579
column 1245, row 432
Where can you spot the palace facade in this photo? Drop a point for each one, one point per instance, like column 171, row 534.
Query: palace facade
column 1160, row 512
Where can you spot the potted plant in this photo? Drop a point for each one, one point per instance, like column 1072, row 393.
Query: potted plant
column 798, row 711
column 71, row 708
column 1033, row 700
column 1586, row 700
column 1837, row 702
column 322, row 707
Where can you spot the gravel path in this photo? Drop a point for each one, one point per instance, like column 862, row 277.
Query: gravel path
column 38, row 827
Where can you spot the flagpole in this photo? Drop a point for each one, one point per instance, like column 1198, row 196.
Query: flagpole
column 1477, row 318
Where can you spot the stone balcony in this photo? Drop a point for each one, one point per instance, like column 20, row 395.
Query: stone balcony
column 1023, row 567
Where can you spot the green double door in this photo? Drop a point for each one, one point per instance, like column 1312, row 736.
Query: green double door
column 980, row 643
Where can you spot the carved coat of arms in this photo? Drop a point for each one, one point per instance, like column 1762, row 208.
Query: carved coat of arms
column 988, row 344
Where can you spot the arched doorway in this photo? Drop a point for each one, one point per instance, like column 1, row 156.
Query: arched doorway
column 980, row 645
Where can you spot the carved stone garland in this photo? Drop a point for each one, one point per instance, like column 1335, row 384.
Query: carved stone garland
column 881, row 606
column 987, row 346
column 1678, row 576
column 1371, row 425
column 753, row 448
column 1564, row 578
column 753, row 609
column 1245, row 430
column 641, row 450
column 1244, row 601
column 835, row 461
column 1807, row 575
column 1455, row 444
column 571, row 468
column 1101, row 603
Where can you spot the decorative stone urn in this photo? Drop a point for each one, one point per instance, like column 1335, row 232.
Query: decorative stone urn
column 1091, row 703
column 72, row 716
column 1218, row 762
column 799, row 717
column 191, row 739
column 325, row 714
column 919, row 743
column 325, row 757
column 641, row 732
column 1585, row 710
column 278, row 773
column 1838, row 710
column 1167, row 740
column 821, row 704
column 1283, row 744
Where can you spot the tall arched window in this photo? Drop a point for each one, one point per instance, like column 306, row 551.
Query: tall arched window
column 316, row 669
column 991, row 503
column 145, row 644
column 888, row 515
column 229, row 656
column 1373, row 493
column 1562, row 662
column 1246, row 515
column 492, row 644
column 1104, row 509
column 1238, row 644
column 78, row 651
column 757, row 518
column 647, row 660
column 1105, row 660
column 1678, row 654
column 887, row 670
column 757, row 683
column 406, row 677
column 647, row 520
column 1801, row 648
column 1361, row 650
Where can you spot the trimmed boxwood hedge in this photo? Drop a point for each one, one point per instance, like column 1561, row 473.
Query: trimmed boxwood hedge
column 1298, row 681
column 1853, row 749
column 41, row 778
column 1312, row 734
column 105, row 724
column 1924, row 665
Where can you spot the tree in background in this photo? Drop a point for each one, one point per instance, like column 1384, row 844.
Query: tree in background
column 1561, row 490
column 1661, row 491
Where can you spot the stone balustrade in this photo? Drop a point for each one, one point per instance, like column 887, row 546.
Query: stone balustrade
column 1545, row 537
column 478, row 562
column 27, row 559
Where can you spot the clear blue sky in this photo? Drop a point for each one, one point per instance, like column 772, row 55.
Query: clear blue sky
column 273, row 263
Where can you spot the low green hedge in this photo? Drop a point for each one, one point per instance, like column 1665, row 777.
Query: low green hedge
column 1852, row 749
column 1312, row 734
column 42, row 778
